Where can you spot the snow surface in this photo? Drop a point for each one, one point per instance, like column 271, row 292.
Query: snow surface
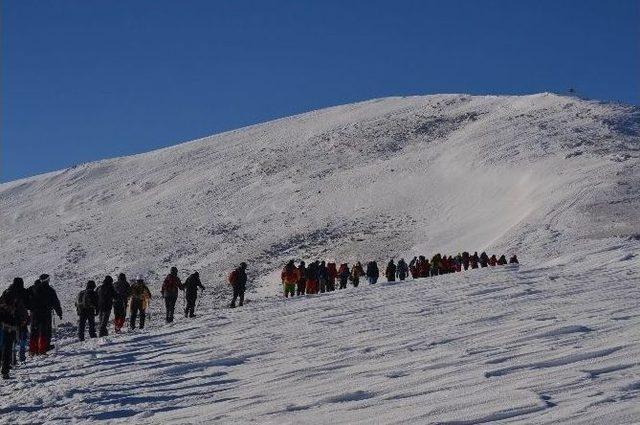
column 551, row 178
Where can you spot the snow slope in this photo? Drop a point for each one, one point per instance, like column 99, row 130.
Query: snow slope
column 552, row 178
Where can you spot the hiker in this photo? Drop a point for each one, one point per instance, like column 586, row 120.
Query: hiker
column 457, row 260
column 465, row 260
column 390, row 272
column 484, row 259
column 372, row 272
column 424, row 268
column 323, row 277
column 435, row 265
column 493, row 260
column 238, row 281
column 302, row 279
column 333, row 273
column 312, row 278
column 356, row 272
column 13, row 314
column 289, row 277
column 43, row 299
column 343, row 275
column 502, row 260
column 123, row 292
column 191, row 286
column 413, row 268
column 106, row 295
column 402, row 269
column 513, row 260
column 21, row 336
column 170, row 288
column 474, row 260
column 140, row 296
column 87, row 308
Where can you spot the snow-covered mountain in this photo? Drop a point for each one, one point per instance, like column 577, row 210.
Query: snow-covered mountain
column 554, row 179
column 387, row 177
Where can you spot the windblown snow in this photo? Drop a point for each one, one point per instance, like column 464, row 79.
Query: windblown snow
column 553, row 179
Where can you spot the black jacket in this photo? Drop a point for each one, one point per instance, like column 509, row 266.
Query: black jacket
column 372, row 270
column 106, row 295
column 191, row 286
column 43, row 298
column 87, row 302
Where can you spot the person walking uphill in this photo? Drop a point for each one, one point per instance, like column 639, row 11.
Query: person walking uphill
column 106, row 296
column 289, row 277
column 373, row 273
column 87, row 308
column 302, row 280
column 356, row 272
column 43, row 300
column 140, row 296
column 402, row 270
column 191, row 286
column 390, row 272
column 343, row 275
column 170, row 289
column 13, row 315
column 238, row 281
column 123, row 291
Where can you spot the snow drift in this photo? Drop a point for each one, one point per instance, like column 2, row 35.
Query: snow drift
column 554, row 179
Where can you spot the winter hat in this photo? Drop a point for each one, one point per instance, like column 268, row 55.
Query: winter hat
column 174, row 270
column 108, row 279
column 243, row 265
column 196, row 274
column 18, row 283
column 44, row 278
column 122, row 277
column 91, row 285
column 139, row 278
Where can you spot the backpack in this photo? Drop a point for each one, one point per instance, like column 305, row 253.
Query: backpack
column 233, row 278
column 83, row 302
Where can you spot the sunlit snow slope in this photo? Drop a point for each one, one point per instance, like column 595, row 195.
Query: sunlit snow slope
column 554, row 179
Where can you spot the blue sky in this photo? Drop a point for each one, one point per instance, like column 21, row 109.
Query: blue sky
column 85, row 80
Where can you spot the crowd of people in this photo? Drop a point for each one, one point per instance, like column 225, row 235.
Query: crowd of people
column 26, row 314
column 321, row 276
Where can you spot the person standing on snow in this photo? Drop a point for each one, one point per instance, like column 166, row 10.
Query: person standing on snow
column 465, row 260
column 312, row 278
column 402, row 270
column 493, row 261
column 191, row 286
column 123, row 292
column 513, row 259
column 12, row 315
column 333, row 273
column 390, row 272
column 502, row 260
column 289, row 277
column 43, row 300
column 484, row 259
column 323, row 277
column 372, row 272
column 302, row 279
column 87, row 308
column 343, row 275
column 140, row 296
column 474, row 260
column 106, row 295
column 170, row 288
column 356, row 272
column 238, row 281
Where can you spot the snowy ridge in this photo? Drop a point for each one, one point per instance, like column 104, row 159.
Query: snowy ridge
column 552, row 178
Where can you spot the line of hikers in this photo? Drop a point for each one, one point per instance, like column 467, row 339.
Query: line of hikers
column 321, row 276
column 20, row 307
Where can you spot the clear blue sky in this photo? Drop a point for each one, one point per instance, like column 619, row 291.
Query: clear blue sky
column 86, row 80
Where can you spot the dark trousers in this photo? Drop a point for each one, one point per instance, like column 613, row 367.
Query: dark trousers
column 40, row 341
column 402, row 276
column 189, row 311
column 343, row 283
column 104, row 322
column 238, row 292
column 85, row 316
column 170, row 304
column 302, row 285
column 137, row 308
column 6, row 349
column 120, row 309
